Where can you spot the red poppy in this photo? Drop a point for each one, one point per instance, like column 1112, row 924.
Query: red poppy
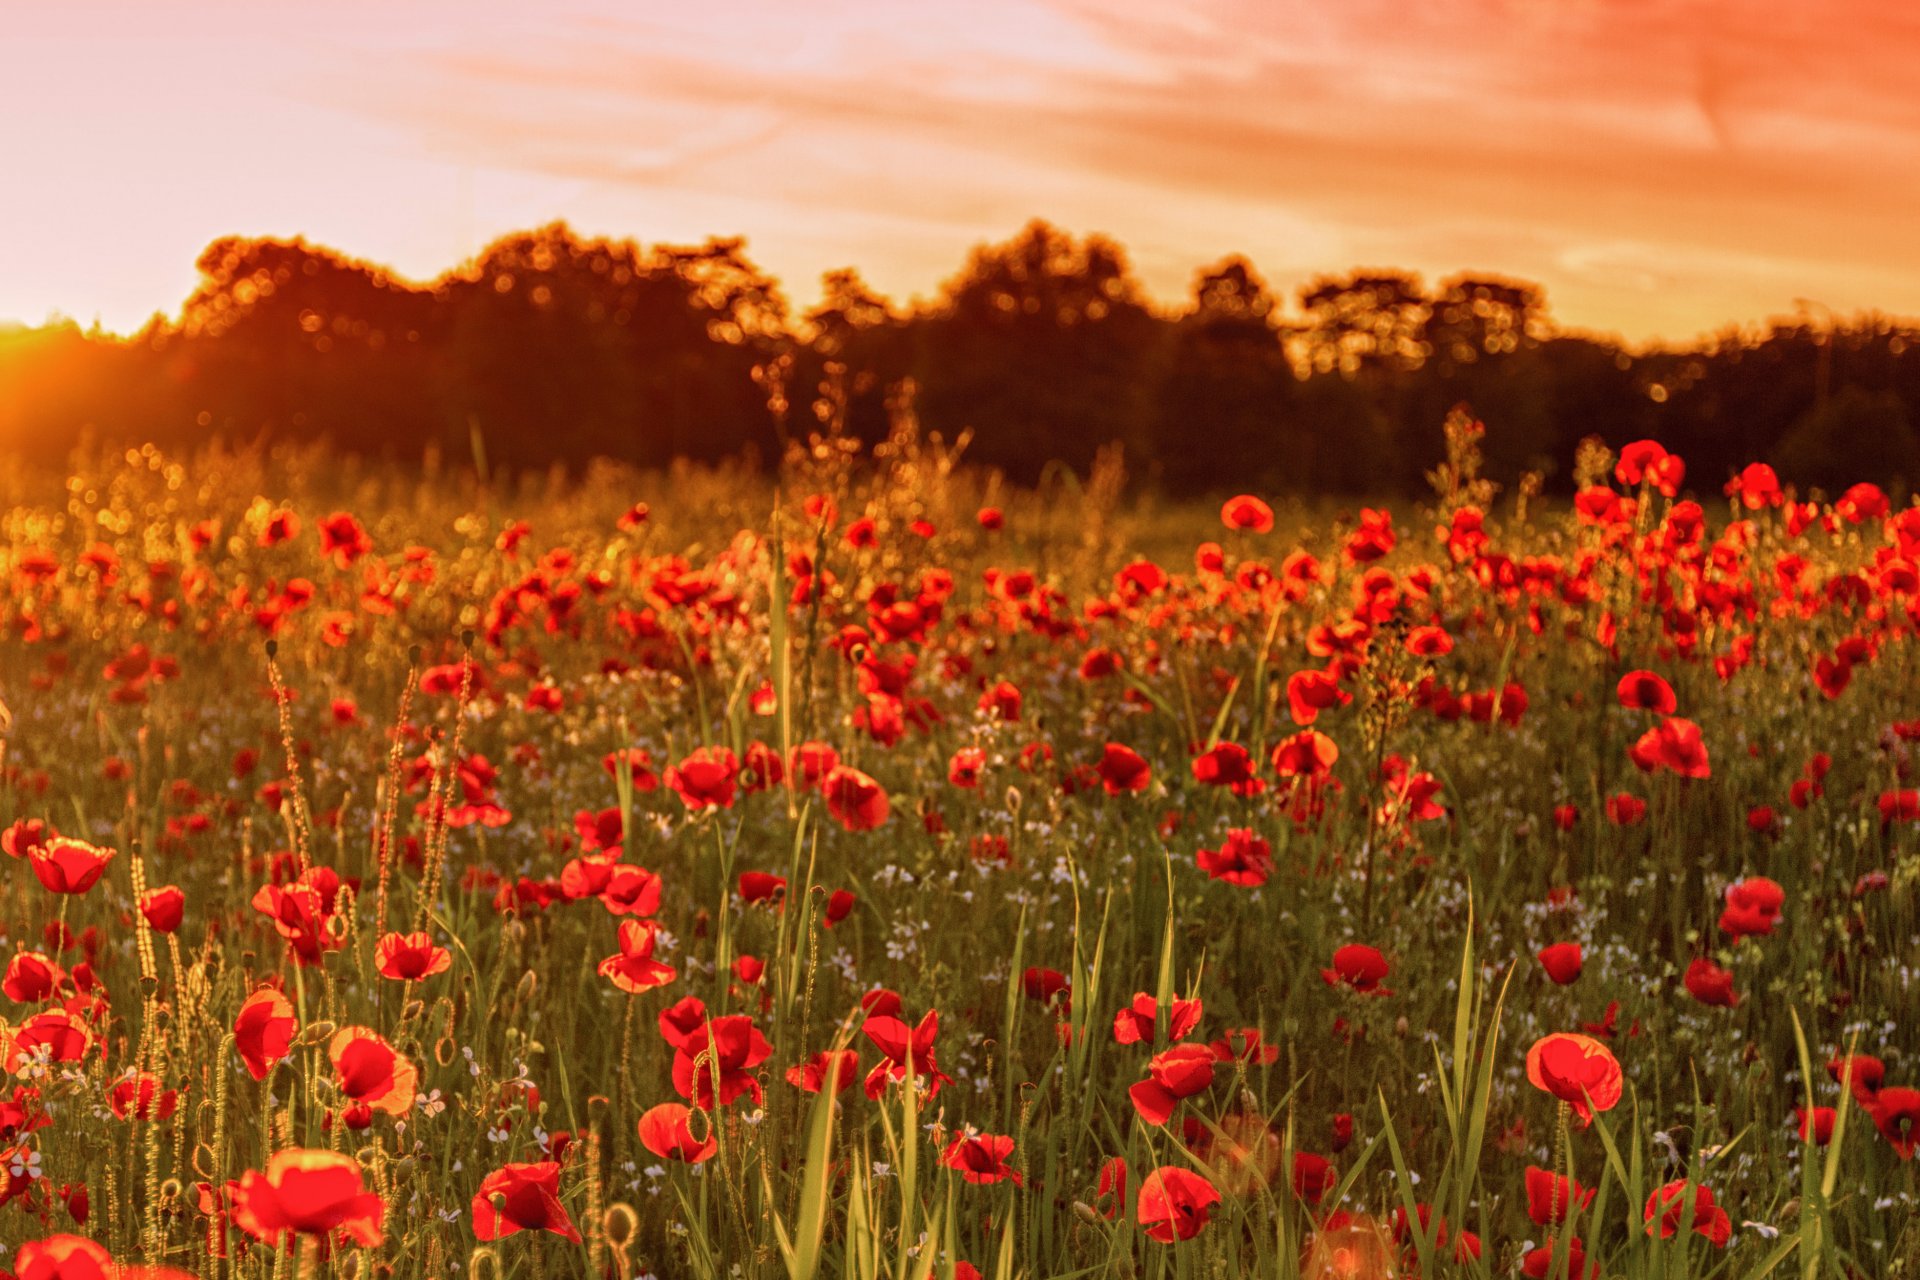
column 634, row 969
column 309, row 1193
column 1673, row 744
column 1550, row 1196
column 410, row 957
column 680, row 1020
column 666, row 1130
column 716, row 1062
column 991, row 518
column 1135, row 1023
column 372, row 1072
column 32, row 977
column 1313, row 1176
column 53, row 1036
column 1667, row 1205
column 982, row 1158
column 1248, row 513
column 163, row 908
column 965, row 767
column 1308, row 753
column 1896, row 1114
column 762, row 886
column 907, row 1050
column 1645, row 691
column 1816, row 1124
column 1562, row 962
column 142, row 1096
column 1537, row 1264
column 521, row 1197
column 1228, row 764
column 1862, row 1073
column 706, row 778
column 1360, row 967
column 1311, row 692
column 1649, row 460
column 264, row 1030
column 1625, row 810
column 66, row 865
column 1173, row 1204
column 839, row 904
column 1576, row 1069
column 856, row 801
column 1753, row 907
column 1243, row 859
column 1179, row 1072
column 1708, row 983
column 829, row 1067
column 1122, row 770
column 1756, row 486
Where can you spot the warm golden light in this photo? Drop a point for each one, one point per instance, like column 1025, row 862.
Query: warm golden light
column 1660, row 170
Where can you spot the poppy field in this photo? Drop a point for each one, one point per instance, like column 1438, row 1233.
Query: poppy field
column 873, row 870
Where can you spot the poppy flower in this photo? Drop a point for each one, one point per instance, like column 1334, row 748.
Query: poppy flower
column 163, row 908
column 1896, row 1114
column 309, row 1193
column 1708, row 983
column 1755, row 487
column 982, row 1158
column 410, row 957
column 1135, row 1023
column 1245, row 1044
column 1243, row 859
column 963, row 770
column 991, row 518
column 1042, row 985
column 856, row 801
column 1360, row 967
column 829, row 1067
column 1673, row 744
column 666, row 1131
column 907, row 1050
column 1248, row 513
column 1863, row 1073
column 1667, row 1205
column 680, row 1020
column 372, row 1072
column 1562, row 962
column 1313, row 1176
column 1311, row 692
column 1537, row 1264
column 31, row 977
column 1173, row 1204
column 141, row 1096
column 839, row 904
column 1816, row 1124
column 1228, row 764
column 1648, row 460
column 1122, row 770
column 706, row 778
column 762, row 886
column 1550, row 1196
column 1753, row 907
column 630, row 890
column 1179, row 1072
column 1645, row 691
column 1576, row 1069
column 301, row 913
column 634, row 969
column 52, row 1036
column 1307, row 754
column 66, row 865
column 264, row 1031
column 716, row 1062
column 1625, row 810
column 521, row 1197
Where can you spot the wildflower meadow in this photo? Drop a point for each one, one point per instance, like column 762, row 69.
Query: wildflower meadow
column 869, row 869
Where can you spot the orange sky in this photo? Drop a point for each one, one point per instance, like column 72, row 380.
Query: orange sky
column 1662, row 168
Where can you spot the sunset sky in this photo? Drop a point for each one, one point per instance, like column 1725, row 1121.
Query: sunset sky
column 1663, row 168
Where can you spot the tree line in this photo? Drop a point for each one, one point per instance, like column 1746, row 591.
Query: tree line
column 550, row 347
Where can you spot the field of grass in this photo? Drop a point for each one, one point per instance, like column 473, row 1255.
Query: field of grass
column 871, row 871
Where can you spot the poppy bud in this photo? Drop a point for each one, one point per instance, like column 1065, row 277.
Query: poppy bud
column 1400, row 1027
column 316, row 1033
column 524, row 992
